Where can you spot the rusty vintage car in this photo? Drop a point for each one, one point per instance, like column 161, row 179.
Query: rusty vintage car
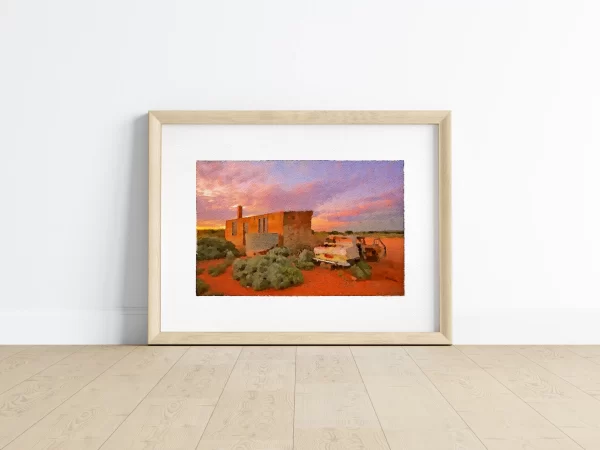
column 373, row 251
column 346, row 250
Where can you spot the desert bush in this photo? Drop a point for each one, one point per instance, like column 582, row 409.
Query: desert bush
column 201, row 287
column 217, row 270
column 220, row 233
column 306, row 256
column 199, row 270
column 279, row 251
column 305, row 265
column 239, row 265
column 282, row 276
column 214, row 248
column 220, row 268
column 361, row 270
column 272, row 270
column 305, row 260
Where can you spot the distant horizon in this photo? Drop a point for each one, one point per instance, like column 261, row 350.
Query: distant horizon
column 320, row 231
column 344, row 195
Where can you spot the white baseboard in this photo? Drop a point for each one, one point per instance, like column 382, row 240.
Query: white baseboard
column 527, row 326
column 129, row 326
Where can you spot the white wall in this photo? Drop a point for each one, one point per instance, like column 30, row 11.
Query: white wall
column 521, row 77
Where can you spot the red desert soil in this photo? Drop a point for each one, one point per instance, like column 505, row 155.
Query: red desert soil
column 387, row 278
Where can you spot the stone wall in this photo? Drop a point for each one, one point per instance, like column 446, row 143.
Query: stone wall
column 238, row 239
column 292, row 228
column 260, row 242
column 274, row 225
column 297, row 229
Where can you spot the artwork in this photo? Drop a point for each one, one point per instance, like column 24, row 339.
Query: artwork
column 300, row 228
column 294, row 226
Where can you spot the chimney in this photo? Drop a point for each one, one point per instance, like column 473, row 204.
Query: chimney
column 239, row 216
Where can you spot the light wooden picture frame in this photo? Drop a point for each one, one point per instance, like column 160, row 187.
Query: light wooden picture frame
column 441, row 119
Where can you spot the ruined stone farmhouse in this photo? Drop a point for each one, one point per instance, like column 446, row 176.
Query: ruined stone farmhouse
column 264, row 231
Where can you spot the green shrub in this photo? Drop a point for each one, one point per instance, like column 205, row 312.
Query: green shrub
column 217, row 270
column 199, row 270
column 305, row 260
column 201, row 287
column 211, row 233
column 220, row 268
column 267, row 271
column 279, row 251
column 260, row 282
column 361, row 270
column 214, row 248
column 306, row 256
column 305, row 265
column 238, row 267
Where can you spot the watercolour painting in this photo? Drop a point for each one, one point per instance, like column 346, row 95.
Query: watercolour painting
column 300, row 228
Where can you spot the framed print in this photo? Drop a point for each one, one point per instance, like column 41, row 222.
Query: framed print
column 299, row 227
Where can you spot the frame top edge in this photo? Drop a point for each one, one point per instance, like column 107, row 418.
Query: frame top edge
column 300, row 117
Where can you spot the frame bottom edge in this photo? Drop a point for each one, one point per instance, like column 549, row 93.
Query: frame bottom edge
column 299, row 338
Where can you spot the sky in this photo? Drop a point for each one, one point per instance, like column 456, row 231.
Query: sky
column 344, row 195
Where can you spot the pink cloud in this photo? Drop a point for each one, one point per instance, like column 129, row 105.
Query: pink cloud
column 220, row 186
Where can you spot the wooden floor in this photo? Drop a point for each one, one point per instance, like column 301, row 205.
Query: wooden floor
column 313, row 398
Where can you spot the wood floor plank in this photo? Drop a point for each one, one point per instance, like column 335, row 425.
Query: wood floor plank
column 17, row 367
column 8, row 350
column 576, row 413
column 590, row 352
column 333, row 409
column 412, row 412
column 28, row 402
column 88, row 418
column 496, row 415
column 310, row 398
column 176, row 411
column 256, row 409
column 577, row 370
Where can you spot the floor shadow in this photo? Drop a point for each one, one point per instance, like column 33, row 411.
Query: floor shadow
column 134, row 293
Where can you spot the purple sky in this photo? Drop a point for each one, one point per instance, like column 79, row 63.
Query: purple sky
column 344, row 195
